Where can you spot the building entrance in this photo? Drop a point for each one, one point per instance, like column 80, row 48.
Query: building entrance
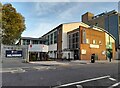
column 38, row 56
column 76, row 54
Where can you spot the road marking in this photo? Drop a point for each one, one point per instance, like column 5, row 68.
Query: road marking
column 114, row 85
column 19, row 70
column 69, row 84
column 79, row 86
column 112, row 79
column 4, row 71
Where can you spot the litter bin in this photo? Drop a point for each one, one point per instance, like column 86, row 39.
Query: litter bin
column 93, row 58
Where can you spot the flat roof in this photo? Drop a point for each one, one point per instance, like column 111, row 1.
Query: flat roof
column 31, row 38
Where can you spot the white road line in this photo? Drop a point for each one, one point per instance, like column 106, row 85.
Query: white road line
column 4, row 71
column 69, row 84
column 19, row 70
column 112, row 79
column 79, row 86
column 114, row 85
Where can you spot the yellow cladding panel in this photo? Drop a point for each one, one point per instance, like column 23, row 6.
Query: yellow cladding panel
column 71, row 26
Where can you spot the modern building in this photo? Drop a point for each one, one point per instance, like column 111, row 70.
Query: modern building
column 30, row 40
column 57, row 39
column 78, row 41
column 37, row 50
column 110, row 21
column 85, row 41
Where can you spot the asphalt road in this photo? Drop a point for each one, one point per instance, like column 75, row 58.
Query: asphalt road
column 64, row 76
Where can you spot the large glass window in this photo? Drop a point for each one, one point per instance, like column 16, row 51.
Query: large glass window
column 74, row 40
column 48, row 40
column 87, row 41
column 55, row 37
column 35, row 42
column 51, row 38
column 26, row 42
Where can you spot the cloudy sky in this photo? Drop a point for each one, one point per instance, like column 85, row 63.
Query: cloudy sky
column 41, row 17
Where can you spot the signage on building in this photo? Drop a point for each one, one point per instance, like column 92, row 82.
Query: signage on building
column 13, row 53
column 83, row 51
column 104, row 52
column 94, row 46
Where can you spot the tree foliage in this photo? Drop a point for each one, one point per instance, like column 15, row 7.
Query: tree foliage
column 13, row 24
column 0, row 12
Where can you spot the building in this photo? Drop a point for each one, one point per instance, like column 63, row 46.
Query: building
column 85, row 41
column 37, row 50
column 78, row 41
column 110, row 21
column 30, row 40
column 57, row 39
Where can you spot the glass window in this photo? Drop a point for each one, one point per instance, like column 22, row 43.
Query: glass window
column 55, row 37
column 77, row 34
column 69, row 36
column 73, row 35
column 35, row 42
column 51, row 39
column 48, row 40
column 94, row 42
column 87, row 41
column 100, row 42
column 26, row 42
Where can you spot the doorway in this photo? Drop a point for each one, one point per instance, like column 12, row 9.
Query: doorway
column 76, row 54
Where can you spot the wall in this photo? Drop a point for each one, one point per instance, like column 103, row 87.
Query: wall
column 52, row 48
column 8, row 47
column 92, row 34
column 37, row 48
column 69, row 27
column 99, row 20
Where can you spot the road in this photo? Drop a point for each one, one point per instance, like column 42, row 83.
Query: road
column 80, row 75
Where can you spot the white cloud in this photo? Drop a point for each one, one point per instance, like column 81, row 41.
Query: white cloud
column 72, row 12
column 39, row 30
column 46, row 8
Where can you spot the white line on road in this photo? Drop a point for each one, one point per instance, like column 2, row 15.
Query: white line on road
column 79, row 86
column 69, row 84
column 114, row 85
column 19, row 70
column 112, row 79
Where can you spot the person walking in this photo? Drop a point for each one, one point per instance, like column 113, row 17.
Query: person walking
column 110, row 55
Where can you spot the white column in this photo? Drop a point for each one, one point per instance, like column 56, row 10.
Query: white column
column 30, row 42
column 21, row 42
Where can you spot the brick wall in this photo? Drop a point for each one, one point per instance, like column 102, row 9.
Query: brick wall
column 92, row 35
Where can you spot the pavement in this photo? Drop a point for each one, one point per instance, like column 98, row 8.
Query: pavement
column 71, row 74
column 18, row 66
column 75, row 62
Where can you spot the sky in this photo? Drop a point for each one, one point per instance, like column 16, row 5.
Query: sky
column 41, row 17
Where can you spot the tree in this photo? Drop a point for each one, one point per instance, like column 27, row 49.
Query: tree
column 13, row 24
column 0, row 24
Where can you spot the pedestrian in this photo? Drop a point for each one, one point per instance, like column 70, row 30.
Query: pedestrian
column 110, row 55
